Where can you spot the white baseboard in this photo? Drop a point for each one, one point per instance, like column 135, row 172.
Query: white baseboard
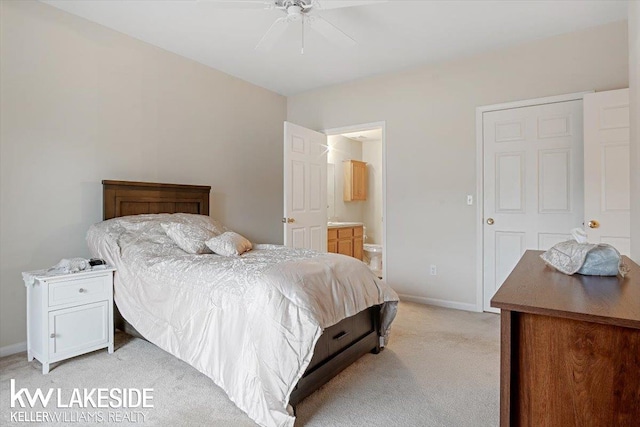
column 439, row 302
column 8, row 350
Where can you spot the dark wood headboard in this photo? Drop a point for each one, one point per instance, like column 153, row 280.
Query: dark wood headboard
column 121, row 198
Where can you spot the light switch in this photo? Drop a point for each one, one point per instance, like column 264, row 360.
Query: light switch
column 469, row 199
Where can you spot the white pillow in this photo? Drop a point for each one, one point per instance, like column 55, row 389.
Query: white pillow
column 229, row 243
column 190, row 238
column 203, row 221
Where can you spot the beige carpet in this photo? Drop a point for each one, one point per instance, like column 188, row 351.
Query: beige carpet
column 441, row 368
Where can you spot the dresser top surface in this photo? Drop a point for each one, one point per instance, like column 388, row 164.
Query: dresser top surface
column 534, row 287
column 48, row 275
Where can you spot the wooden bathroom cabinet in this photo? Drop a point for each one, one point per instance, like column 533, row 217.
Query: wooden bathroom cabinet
column 346, row 241
column 355, row 181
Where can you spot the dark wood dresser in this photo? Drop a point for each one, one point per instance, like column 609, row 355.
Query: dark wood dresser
column 570, row 347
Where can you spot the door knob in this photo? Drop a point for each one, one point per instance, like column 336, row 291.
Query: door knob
column 593, row 224
column 288, row 220
column 490, row 221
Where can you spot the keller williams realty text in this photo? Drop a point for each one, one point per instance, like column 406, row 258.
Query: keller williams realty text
column 84, row 417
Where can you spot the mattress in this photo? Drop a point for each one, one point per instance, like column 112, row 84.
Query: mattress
column 248, row 322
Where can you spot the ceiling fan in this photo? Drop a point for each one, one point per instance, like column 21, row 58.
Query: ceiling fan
column 303, row 11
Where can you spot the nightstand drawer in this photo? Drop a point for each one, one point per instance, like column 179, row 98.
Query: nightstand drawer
column 81, row 290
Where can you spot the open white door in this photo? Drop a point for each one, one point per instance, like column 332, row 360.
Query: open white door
column 606, row 169
column 533, row 184
column 305, row 188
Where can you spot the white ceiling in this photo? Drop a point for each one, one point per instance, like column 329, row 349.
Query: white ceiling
column 391, row 35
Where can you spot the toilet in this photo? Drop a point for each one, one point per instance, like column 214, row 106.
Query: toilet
column 374, row 254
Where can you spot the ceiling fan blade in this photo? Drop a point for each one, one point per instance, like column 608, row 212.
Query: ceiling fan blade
column 272, row 35
column 325, row 5
column 241, row 4
column 330, row 32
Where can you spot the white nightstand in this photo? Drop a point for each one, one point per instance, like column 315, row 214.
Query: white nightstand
column 68, row 314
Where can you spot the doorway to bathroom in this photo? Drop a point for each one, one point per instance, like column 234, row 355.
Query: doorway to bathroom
column 356, row 192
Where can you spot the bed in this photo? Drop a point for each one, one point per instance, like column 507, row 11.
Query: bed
column 293, row 318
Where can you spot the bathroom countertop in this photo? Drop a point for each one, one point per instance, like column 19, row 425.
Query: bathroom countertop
column 335, row 224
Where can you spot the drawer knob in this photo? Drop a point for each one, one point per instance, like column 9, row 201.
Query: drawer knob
column 82, row 290
column 52, row 336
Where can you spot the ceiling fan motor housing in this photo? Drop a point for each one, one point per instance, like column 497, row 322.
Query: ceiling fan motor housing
column 303, row 11
column 294, row 12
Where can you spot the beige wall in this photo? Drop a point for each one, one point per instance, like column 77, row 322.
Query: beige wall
column 343, row 149
column 431, row 143
column 81, row 103
column 368, row 212
column 372, row 207
column 634, row 86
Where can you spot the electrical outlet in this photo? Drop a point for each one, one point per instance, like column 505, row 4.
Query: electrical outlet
column 469, row 199
column 433, row 270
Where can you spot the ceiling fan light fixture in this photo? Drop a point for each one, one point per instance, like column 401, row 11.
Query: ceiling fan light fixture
column 302, row 11
column 295, row 13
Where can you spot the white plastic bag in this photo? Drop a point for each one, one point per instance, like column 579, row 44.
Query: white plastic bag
column 578, row 256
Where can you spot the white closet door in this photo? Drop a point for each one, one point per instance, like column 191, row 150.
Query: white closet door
column 606, row 166
column 305, row 188
column 533, row 183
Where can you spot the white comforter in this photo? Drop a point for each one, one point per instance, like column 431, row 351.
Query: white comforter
column 250, row 323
